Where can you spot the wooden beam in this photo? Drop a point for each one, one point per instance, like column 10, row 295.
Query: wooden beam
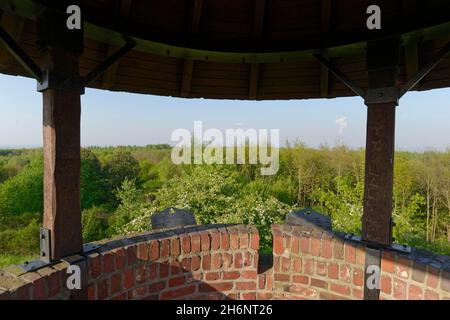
column 411, row 48
column 61, row 129
column 123, row 8
column 14, row 26
column 258, row 27
column 325, row 28
column 188, row 65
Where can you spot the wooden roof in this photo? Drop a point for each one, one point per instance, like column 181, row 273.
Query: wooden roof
column 239, row 49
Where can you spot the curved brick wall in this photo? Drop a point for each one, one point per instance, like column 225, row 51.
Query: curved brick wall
column 219, row 261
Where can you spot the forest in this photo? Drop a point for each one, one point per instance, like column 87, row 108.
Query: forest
column 121, row 187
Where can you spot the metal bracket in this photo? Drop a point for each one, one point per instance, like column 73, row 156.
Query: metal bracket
column 61, row 81
column 130, row 44
column 45, row 245
column 20, row 55
column 394, row 247
column 381, row 95
column 340, row 75
column 438, row 58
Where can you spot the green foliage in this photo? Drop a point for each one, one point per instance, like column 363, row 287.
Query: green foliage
column 95, row 224
column 23, row 241
column 94, row 185
column 23, row 192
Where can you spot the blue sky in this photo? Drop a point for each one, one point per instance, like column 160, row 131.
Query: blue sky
column 111, row 118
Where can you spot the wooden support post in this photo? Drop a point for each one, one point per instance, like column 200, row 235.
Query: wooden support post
column 381, row 100
column 61, row 49
column 13, row 25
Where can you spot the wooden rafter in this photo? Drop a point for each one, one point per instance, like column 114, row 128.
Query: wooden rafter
column 258, row 27
column 123, row 8
column 411, row 48
column 13, row 25
column 188, row 66
column 325, row 29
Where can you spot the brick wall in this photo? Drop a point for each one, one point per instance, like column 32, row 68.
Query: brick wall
column 219, row 262
column 317, row 264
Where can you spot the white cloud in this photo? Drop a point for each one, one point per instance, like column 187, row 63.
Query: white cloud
column 342, row 123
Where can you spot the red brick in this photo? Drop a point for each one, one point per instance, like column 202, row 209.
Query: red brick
column 116, row 283
column 157, row 287
column 234, row 240
column 175, row 268
column 309, row 266
column 386, row 284
column 186, row 264
column 326, row 248
column 433, row 277
column 215, row 240
column 445, row 280
column 178, row 293
column 138, row 292
column 216, row 286
column 338, row 249
column 163, row 270
column 91, row 292
column 264, row 295
column 321, row 268
column 333, row 270
column 431, row 295
column 121, row 296
column 211, row 276
column 185, row 244
column 131, row 255
column 227, row 260
column 281, row 277
column 285, row 263
column 248, row 295
column 154, row 250
column 315, row 247
column 231, row 275
column 341, row 289
column 415, row 293
column 255, row 241
column 304, row 244
column 399, row 289
column 403, row 268
column 95, row 266
column 238, row 263
column 128, row 278
column 304, row 291
column 249, row 274
column 140, row 274
column 178, row 281
column 108, row 263
column 248, row 260
column 319, row 283
column 142, row 252
column 39, row 289
column 224, row 240
column 206, row 262
column 216, row 261
column 358, row 277
column 175, row 249
column 195, row 263
column 102, row 290
column 243, row 240
column 387, row 261
column 247, row 285
column 297, row 265
column 300, row 279
column 345, row 273
column 330, row 296
column 278, row 247
column 205, row 241
column 357, row 293
column 195, row 242
column 119, row 257
column 54, row 284
column 350, row 252
column 153, row 271
column 164, row 248
column 361, row 255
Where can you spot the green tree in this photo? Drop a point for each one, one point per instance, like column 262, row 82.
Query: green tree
column 94, row 186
